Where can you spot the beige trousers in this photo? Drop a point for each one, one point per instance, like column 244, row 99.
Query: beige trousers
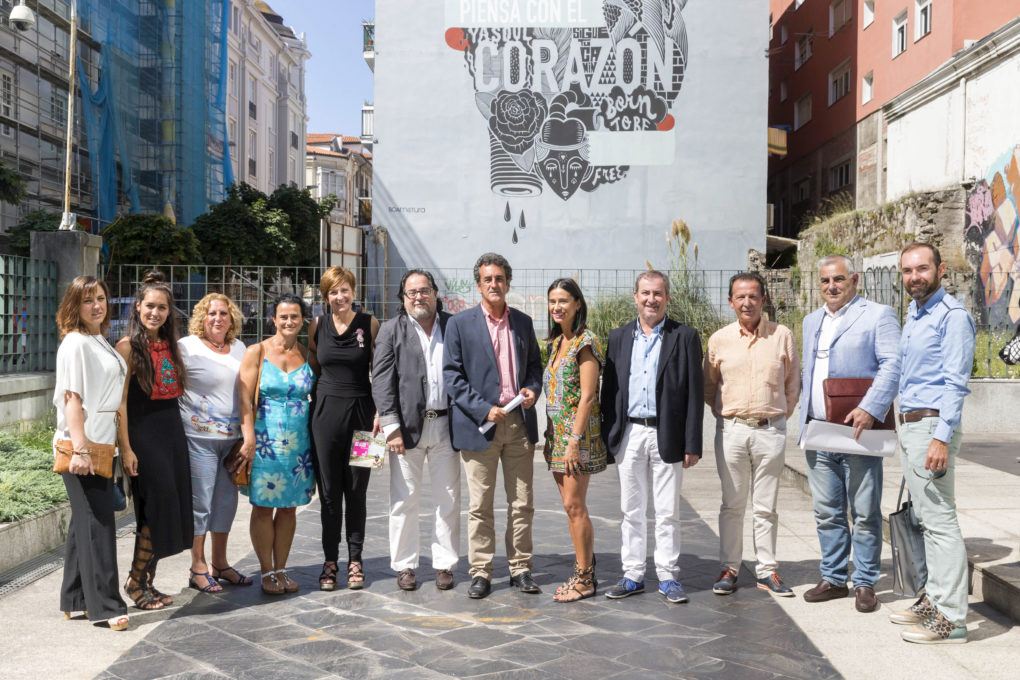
column 511, row 448
column 749, row 459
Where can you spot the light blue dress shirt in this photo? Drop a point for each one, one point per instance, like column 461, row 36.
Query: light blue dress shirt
column 937, row 353
column 644, row 367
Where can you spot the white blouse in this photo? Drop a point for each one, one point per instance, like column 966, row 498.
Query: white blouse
column 91, row 368
column 209, row 404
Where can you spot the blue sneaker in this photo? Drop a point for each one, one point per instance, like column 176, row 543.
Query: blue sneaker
column 625, row 588
column 673, row 591
column 775, row 585
column 726, row 584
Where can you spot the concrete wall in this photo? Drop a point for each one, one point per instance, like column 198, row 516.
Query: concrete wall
column 991, row 407
column 473, row 135
column 25, row 398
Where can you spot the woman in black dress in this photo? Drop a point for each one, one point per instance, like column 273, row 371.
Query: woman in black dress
column 151, row 429
column 342, row 342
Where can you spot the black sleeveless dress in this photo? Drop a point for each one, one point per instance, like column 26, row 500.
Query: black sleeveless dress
column 342, row 404
column 162, row 489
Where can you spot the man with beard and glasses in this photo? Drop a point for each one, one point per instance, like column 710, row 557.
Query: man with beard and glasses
column 408, row 389
column 936, row 354
column 752, row 381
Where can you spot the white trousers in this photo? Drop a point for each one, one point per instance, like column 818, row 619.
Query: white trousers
column 406, row 473
column 639, row 462
column 749, row 459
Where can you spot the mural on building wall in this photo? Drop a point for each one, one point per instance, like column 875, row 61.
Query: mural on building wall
column 556, row 80
column 991, row 239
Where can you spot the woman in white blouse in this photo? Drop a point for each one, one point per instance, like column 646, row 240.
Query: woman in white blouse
column 212, row 357
column 89, row 385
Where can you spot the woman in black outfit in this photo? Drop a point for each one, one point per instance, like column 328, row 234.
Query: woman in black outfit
column 151, row 429
column 342, row 341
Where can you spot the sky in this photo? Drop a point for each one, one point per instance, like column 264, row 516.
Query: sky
column 337, row 79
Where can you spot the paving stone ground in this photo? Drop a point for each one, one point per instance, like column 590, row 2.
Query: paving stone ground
column 383, row 632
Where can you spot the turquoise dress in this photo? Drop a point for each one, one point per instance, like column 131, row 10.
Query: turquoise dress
column 281, row 472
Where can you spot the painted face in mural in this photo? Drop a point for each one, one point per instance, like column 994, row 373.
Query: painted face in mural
column 419, row 298
column 921, row 277
column 565, row 164
column 838, row 285
column 747, row 301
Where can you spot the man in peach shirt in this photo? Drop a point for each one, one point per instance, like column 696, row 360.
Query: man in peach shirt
column 752, row 382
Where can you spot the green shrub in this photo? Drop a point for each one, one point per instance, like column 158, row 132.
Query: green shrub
column 27, row 483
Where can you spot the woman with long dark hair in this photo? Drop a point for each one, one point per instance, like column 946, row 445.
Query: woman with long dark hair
column 89, row 386
column 151, row 430
column 573, row 443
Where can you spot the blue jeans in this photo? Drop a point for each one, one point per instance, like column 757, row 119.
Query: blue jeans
column 838, row 480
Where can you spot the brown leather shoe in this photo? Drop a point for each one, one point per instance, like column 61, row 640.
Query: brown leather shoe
column 444, row 579
column 406, row 580
column 866, row 601
column 825, row 591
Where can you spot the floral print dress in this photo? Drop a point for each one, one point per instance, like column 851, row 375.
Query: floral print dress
column 281, row 472
column 562, row 395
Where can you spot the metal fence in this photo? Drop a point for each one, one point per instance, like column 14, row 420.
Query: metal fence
column 28, row 310
column 699, row 298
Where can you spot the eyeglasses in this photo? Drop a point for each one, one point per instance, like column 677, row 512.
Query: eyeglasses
column 421, row 292
column 932, row 475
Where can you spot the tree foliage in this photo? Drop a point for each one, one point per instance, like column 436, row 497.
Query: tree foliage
column 12, row 187
column 151, row 239
column 250, row 228
column 21, row 233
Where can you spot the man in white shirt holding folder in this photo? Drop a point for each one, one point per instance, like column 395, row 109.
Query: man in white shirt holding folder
column 848, row 337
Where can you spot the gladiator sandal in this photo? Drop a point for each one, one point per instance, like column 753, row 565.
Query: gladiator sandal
column 582, row 583
column 137, row 585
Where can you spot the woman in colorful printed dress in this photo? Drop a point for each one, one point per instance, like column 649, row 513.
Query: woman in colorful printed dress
column 573, row 444
column 151, row 430
column 212, row 356
column 276, row 440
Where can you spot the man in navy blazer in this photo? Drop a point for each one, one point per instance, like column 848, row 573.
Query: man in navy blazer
column 848, row 337
column 652, row 409
column 490, row 356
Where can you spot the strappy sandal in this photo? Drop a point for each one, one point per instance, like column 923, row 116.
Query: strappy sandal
column 143, row 565
column 327, row 579
column 579, row 583
column 118, row 622
column 211, row 587
column 355, row 576
column 143, row 598
column 289, row 584
column 274, row 586
column 218, row 574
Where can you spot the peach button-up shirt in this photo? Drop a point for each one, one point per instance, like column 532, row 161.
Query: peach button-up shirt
column 503, row 346
column 752, row 375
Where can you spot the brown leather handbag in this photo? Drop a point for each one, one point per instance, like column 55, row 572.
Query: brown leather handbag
column 234, row 462
column 101, row 454
column 843, row 395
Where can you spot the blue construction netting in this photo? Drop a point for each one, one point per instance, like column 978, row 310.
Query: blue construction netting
column 156, row 119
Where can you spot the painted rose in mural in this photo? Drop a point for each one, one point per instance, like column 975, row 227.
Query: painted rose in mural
column 517, row 118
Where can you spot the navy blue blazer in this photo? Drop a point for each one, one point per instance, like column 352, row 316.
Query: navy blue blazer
column 472, row 377
column 679, row 390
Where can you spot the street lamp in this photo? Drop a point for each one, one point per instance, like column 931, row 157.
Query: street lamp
column 23, row 19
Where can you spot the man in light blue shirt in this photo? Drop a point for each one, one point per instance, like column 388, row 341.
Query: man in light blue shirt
column 936, row 352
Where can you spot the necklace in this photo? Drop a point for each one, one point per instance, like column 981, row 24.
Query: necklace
column 106, row 346
column 218, row 348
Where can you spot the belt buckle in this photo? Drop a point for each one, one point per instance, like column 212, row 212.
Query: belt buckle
column 430, row 414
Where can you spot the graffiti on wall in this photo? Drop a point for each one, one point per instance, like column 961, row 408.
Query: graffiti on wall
column 991, row 240
column 567, row 89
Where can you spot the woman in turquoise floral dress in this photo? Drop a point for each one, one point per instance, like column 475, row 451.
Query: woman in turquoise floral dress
column 573, row 444
column 276, row 440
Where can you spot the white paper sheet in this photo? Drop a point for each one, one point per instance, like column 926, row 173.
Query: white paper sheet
column 822, row 436
column 514, row 403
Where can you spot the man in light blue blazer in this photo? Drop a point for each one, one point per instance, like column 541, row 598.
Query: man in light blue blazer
column 848, row 337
